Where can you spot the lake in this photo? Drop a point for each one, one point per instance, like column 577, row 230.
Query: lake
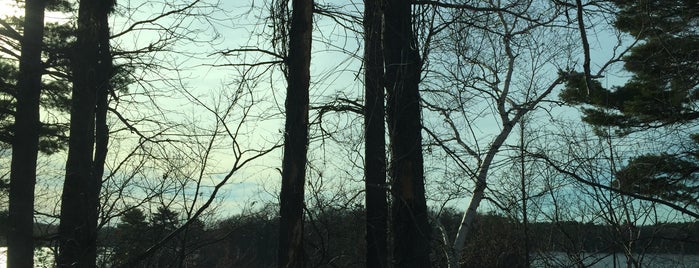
column 597, row 260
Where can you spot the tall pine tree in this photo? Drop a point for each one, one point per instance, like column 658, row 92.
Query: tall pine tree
column 91, row 73
column 663, row 91
column 25, row 142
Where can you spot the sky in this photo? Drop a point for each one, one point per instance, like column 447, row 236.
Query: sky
column 335, row 74
column 186, row 98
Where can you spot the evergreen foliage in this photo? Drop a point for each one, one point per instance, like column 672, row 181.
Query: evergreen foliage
column 129, row 236
column 332, row 240
column 55, row 93
column 662, row 91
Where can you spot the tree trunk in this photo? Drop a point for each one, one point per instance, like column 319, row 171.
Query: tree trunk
column 469, row 218
column 295, row 136
column 374, row 139
column 523, row 191
column 25, row 145
column 104, row 87
column 80, row 200
column 410, row 227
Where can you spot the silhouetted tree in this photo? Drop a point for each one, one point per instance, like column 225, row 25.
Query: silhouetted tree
column 25, row 142
column 92, row 70
column 374, row 138
column 131, row 236
column 298, row 77
column 410, row 227
column 163, row 222
column 55, row 88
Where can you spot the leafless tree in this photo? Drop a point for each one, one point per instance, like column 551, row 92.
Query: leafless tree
column 494, row 68
column 374, row 135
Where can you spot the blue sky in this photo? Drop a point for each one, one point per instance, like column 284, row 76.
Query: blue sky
column 187, row 96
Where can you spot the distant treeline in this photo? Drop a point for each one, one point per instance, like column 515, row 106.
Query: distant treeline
column 335, row 237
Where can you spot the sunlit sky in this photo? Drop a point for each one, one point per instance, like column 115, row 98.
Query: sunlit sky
column 9, row 8
column 334, row 73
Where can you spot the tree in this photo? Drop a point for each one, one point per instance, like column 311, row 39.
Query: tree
column 54, row 97
column 92, row 70
column 409, row 225
column 150, row 143
column 660, row 94
column 195, row 160
column 374, row 138
column 298, row 77
column 25, row 142
column 490, row 67
column 131, row 236
column 626, row 216
column 163, row 221
column 135, row 234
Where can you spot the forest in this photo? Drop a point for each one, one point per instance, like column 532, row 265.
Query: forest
column 372, row 133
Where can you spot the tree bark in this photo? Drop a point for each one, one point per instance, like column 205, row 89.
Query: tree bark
column 374, row 138
column 25, row 145
column 410, row 227
column 104, row 87
column 298, row 62
column 469, row 218
column 91, row 67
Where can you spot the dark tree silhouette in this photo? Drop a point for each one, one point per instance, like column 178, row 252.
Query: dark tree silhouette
column 91, row 67
column 25, row 143
column 295, row 136
column 131, row 238
column 410, row 227
column 55, row 89
column 375, row 141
